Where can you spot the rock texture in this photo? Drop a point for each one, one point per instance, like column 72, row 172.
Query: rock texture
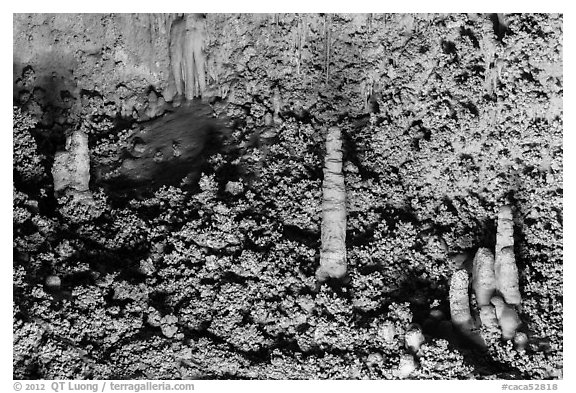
column 209, row 272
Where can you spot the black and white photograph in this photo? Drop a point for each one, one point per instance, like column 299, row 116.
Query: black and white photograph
column 287, row 196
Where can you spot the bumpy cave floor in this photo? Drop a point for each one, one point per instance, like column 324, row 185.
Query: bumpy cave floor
column 191, row 248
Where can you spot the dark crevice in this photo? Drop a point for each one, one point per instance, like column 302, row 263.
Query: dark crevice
column 294, row 233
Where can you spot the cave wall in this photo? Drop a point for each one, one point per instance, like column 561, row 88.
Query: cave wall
column 445, row 118
column 306, row 59
column 60, row 59
column 328, row 65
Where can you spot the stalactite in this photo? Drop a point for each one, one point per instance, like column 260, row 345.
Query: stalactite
column 194, row 55
column 488, row 45
column 328, row 38
column 300, row 37
column 299, row 40
column 369, row 21
column 176, row 54
column 333, row 248
column 187, row 60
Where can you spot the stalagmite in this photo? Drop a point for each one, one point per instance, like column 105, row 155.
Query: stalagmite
column 507, row 318
column 71, row 175
column 505, row 264
column 71, row 169
column 406, row 366
column 333, row 247
column 505, row 230
column 520, row 341
column 488, row 318
column 483, row 279
column 460, row 303
column 460, row 308
column 387, row 332
column 413, row 339
column 495, row 284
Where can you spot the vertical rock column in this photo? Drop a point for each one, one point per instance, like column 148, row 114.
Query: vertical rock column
column 333, row 247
